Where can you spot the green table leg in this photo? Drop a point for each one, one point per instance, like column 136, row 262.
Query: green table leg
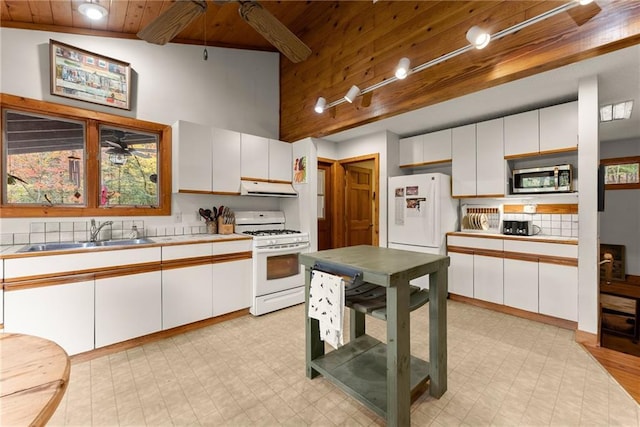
column 314, row 347
column 356, row 324
column 398, row 356
column 438, row 332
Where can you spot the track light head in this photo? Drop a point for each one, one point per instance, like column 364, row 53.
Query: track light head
column 402, row 70
column 320, row 104
column 352, row 94
column 478, row 37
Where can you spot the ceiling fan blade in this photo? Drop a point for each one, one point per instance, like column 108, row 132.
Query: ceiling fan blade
column 169, row 23
column 274, row 31
column 111, row 143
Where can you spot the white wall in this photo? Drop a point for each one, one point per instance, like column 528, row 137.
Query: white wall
column 620, row 221
column 588, row 159
column 234, row 89
column 301, row 213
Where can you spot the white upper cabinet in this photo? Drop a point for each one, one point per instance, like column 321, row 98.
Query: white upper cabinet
column 208, row 159
column 521, row 134
column 434, row 147
column 280, row 160
column 490, row 174
column 463, row 160
column 437, row 147
column 411, row 150
column 265, row 159
column 194, row 156
column 559, row 127
column 254, row 157
column 547, row 130
column 225, row 162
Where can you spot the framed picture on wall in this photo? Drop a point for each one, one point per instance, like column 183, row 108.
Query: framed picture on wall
column 86, row 76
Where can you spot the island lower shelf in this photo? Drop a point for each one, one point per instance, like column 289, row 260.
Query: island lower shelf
column 360, row 369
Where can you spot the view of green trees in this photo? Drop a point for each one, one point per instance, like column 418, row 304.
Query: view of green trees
column 133, row 183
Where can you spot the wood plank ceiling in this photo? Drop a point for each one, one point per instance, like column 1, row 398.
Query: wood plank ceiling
column 360, row 42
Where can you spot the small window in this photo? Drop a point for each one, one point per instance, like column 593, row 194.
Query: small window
column 128, row 167
column 621, row 173
column 45, row 160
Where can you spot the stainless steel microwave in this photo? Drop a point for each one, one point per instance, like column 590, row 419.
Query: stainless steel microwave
column 550, row 179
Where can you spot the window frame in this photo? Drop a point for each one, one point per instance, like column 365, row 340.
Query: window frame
column 92, row 119
column 621, row 161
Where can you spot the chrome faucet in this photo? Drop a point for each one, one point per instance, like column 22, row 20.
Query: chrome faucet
column 96, row 230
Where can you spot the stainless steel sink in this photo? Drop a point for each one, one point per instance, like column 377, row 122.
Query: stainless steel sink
column 128, row 242
column 42, row 247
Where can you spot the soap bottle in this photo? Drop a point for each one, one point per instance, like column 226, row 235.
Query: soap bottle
column 133, row 234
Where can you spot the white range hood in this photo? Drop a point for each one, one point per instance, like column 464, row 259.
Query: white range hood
column 267, row 189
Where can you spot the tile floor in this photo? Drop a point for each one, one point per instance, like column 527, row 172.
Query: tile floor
column 249, row 371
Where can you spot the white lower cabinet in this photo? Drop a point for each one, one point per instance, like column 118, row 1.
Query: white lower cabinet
column 558, row 286
column 461, row 274
column 186, row 295
column 488, row 279
column 526, row 275
column 521, row 284
column 231, row 286
column 61, row 313
column 127, row 307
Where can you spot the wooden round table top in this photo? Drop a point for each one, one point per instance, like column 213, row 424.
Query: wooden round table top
column 34, row 373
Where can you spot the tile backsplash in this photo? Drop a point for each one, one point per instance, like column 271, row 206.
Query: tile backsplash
column 74, row 231
column 563, row 225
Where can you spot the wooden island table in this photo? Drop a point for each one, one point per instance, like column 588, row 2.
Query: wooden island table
column 34, row 374
column 383, row 375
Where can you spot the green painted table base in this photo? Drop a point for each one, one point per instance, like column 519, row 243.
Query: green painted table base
column 383, row 376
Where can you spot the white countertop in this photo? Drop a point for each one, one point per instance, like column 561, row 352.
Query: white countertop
column 155, row 241
column 537, row 237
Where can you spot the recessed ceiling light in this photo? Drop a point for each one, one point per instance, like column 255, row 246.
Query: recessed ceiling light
column 92, row 11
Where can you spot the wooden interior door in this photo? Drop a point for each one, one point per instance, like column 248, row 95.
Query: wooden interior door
column 359, row 206
column 325, row 206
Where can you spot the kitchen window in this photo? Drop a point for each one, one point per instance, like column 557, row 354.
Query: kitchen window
column 621, row 173
column 66, row 161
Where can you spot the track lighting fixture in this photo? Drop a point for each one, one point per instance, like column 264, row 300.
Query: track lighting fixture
column 353, row 92
column 93, row 11
column 478, row 37
column 402, row 70
column 320, row 104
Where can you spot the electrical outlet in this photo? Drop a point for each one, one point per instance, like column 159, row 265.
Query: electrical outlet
column 530, row 209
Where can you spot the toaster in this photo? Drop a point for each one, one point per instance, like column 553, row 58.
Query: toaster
column 517, row 228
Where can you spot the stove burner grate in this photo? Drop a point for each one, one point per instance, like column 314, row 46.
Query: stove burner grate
column 271, row 232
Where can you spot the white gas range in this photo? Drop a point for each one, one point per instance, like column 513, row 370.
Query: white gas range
column 278, row 278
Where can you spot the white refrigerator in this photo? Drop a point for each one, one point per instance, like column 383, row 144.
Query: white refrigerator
column 421, row 212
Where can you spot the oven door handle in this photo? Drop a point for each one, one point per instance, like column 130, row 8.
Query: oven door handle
column 283, row 248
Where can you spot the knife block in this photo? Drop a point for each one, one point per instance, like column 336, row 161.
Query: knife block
column 224, row 228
